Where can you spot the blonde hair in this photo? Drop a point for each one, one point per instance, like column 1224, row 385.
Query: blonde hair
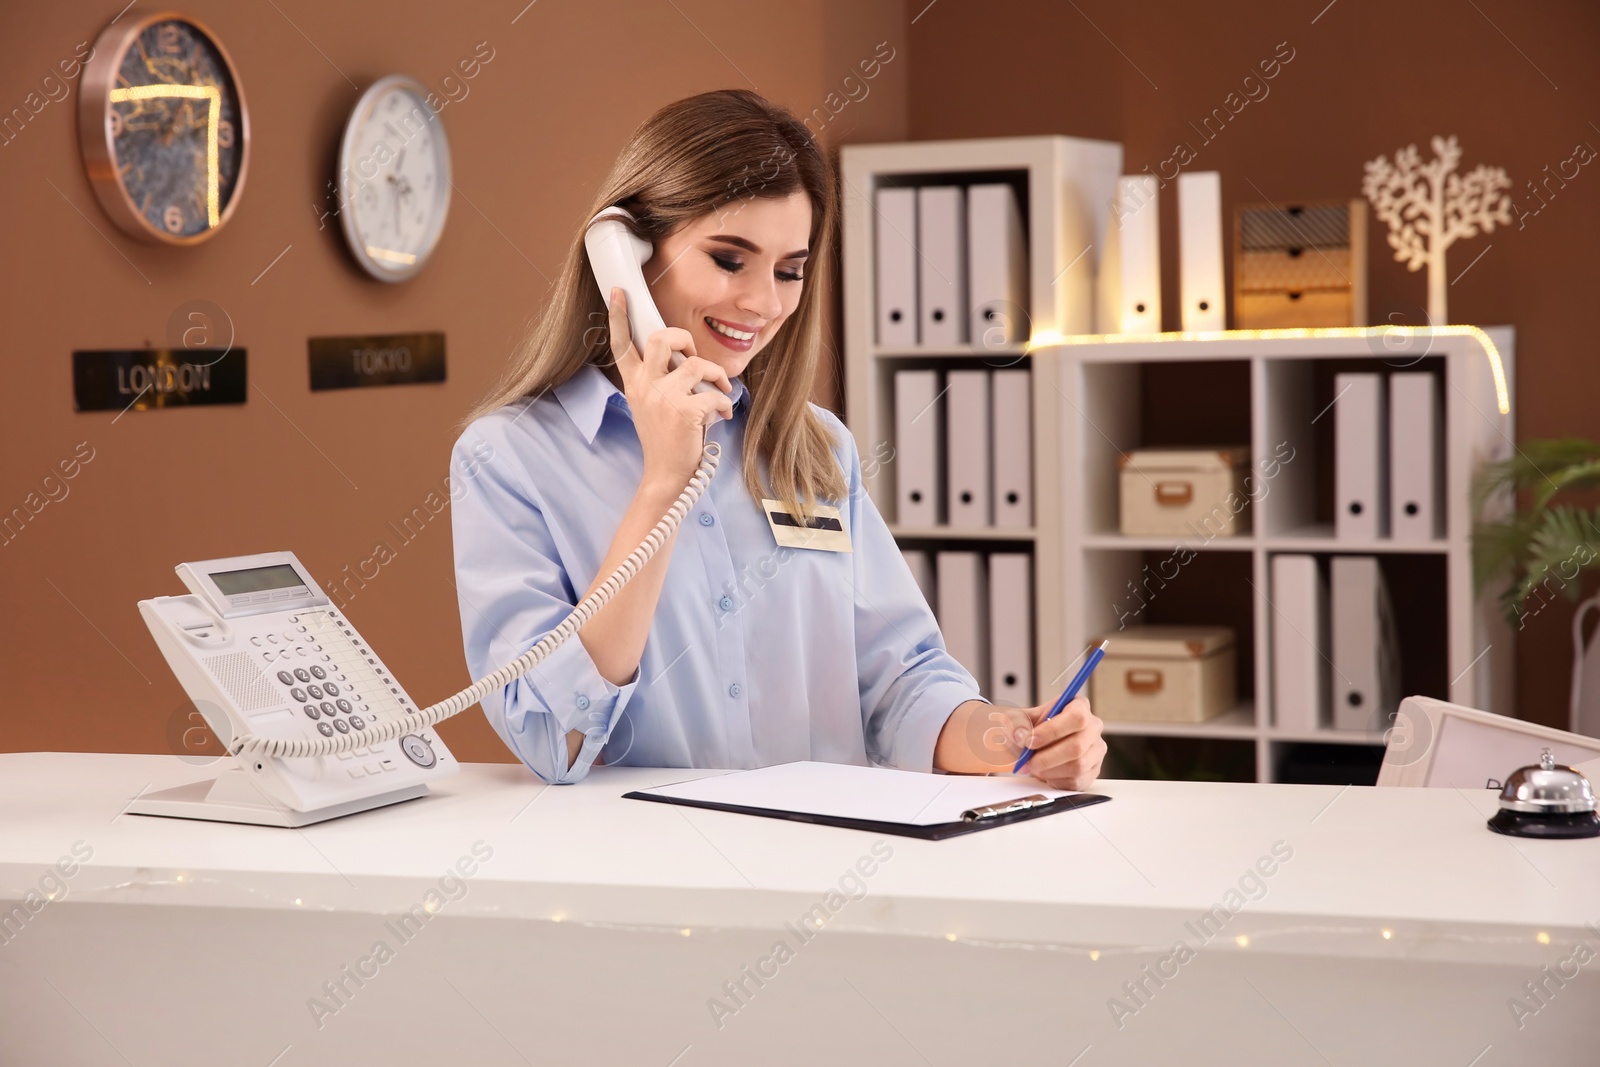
column 687, row 160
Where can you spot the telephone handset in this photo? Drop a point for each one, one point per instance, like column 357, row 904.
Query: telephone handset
column 617, row 258
column 316, row 724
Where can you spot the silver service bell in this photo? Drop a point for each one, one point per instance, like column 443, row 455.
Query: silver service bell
column 1548, row 800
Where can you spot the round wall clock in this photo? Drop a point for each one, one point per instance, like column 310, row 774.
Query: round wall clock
column 163, row 128
column 394, row 179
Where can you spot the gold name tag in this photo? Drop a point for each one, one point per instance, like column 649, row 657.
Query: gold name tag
column 824, row 531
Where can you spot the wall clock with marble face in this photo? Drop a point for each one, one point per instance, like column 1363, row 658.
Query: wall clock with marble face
column 394, row 179
column 163, row 128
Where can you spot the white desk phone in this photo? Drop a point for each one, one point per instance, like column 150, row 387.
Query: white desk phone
column 316, row 724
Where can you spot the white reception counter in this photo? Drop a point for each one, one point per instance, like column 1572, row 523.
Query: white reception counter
column 502, row 922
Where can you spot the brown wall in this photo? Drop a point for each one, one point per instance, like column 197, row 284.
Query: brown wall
column 323, row 474
column 1367, row 77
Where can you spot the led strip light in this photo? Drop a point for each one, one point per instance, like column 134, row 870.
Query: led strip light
column 1502, row 394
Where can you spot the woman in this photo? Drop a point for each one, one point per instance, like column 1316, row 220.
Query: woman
column 726, row 649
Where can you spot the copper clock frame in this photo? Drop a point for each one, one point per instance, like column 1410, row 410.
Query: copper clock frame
column 98, row 145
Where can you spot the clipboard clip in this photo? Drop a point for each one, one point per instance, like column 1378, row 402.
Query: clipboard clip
column 1005, row 807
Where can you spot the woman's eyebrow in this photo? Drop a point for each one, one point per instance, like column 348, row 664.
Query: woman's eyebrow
column 750, row 246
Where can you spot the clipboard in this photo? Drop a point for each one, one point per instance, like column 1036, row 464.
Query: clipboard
column 859, row 798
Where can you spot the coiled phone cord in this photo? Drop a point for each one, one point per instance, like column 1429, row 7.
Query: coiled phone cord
column 254, row 745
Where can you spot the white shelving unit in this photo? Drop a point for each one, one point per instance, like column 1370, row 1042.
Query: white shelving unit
column 1089, row 398
column 1460, row 646
column 1064, row 187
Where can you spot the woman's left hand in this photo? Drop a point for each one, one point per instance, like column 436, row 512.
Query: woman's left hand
column 982, row 738
column 1068, row 749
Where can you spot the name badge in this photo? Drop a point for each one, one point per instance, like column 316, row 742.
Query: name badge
column 823, row 530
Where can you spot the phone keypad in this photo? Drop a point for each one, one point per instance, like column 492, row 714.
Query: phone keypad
column 342, row 692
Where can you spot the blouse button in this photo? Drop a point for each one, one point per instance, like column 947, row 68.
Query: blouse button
column 706, row 519
column 726, row 603
column 734, row 690
column 583, row 702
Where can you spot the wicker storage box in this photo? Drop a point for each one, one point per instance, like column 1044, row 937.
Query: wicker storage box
column 1187, row 492
column 1165, row 674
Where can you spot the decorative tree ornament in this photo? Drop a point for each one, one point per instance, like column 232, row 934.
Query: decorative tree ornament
column 1429, row 207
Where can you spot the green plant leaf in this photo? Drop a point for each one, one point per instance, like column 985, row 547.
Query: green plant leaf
column 1545, row 546
column 1562, row 546
column 1535, row 463
column 1497, row 546
column 1585, row 475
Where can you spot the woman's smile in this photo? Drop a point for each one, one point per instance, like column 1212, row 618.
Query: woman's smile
column 739, row 338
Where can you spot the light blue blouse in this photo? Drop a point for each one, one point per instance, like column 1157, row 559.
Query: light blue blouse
column 758, row 653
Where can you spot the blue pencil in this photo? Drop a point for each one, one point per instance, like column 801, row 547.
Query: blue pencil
column 1096, row 654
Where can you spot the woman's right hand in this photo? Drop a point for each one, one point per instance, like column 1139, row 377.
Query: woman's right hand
column 668, row 415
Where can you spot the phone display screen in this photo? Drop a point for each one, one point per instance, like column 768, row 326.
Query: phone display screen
column 256, row 579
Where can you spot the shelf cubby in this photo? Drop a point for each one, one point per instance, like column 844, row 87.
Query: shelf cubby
column 1324, row 762
column 1206, row 758
column 1417, row 583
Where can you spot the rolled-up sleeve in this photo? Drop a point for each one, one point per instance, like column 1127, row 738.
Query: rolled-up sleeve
column 910, row 684
column 513, row 590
